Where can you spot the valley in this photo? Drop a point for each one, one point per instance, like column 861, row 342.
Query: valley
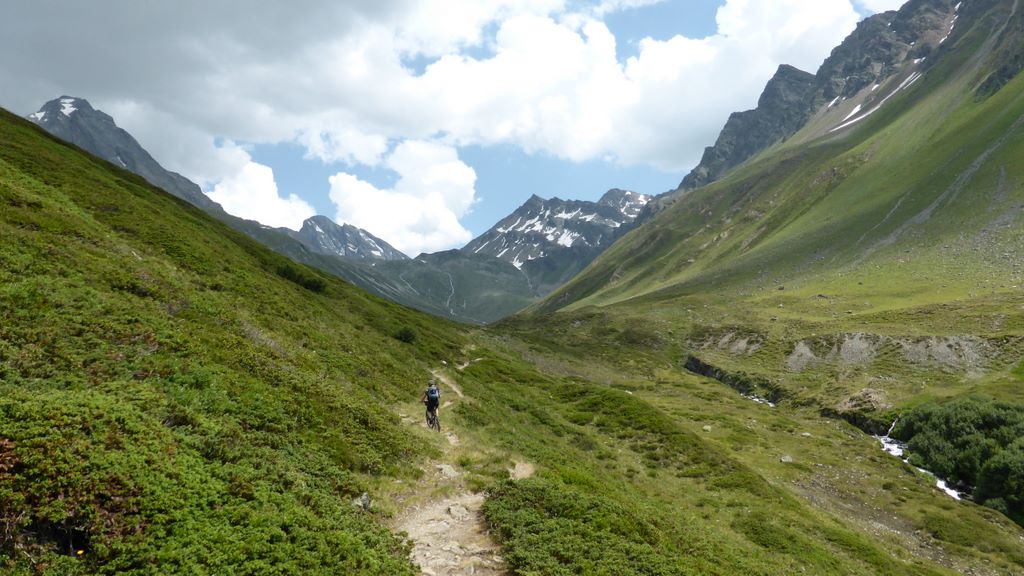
column 724, row 379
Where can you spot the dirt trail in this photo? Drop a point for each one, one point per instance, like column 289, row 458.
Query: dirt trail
column 448, row 382
column 450, row 538
column 449, row 535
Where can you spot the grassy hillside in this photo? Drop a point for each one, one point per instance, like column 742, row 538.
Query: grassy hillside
column 651, row 470
column 177, row 399
column 837, row 257
column 467, row 287
column 866, row 272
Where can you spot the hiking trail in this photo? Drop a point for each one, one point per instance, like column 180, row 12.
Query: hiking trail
column 443, row 518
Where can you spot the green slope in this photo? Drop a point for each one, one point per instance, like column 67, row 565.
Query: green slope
column 932, row 165
column 177, row 399
column 904, row 226
column 862, row 272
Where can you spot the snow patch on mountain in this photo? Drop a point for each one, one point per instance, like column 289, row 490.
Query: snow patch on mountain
column 67, row 106
column 543, row 228
column 907, row 83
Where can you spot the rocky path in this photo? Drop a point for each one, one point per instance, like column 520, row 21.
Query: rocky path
column 449, row 535
column 450, row 538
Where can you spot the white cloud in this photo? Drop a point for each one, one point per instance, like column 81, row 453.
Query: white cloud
column 421, row 212
column 252, row 193
column 556, row 86
column 335, row 78
column 424, row 31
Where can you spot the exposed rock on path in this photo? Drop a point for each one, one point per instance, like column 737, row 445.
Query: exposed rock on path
column 450, row 538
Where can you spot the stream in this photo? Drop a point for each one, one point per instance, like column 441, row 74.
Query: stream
column 759, row 400
column 895, row 448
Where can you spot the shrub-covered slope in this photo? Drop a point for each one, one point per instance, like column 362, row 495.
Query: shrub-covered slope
column 872, row 262
column 929, row 174
column 175, row 398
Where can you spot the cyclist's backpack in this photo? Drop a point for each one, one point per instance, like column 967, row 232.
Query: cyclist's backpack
column 433, row 393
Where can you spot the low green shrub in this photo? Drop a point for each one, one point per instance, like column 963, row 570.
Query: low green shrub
column 976, row 442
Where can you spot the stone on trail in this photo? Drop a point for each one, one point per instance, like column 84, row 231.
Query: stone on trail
column 458, row 511
column 447, row 471
column 363, row 501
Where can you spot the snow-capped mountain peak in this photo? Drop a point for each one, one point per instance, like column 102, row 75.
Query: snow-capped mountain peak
column 62, row 109
column 627, row 202
column 67, row 106
column 76, row 121
column 542, row 228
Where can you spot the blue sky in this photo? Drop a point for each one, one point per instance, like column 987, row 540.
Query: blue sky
column 424, row 130
column 506, row 175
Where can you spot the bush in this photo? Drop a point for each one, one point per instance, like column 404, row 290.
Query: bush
column 975, row 442
column 406, row 334
column 1001, row 482
column 553, row 528
column 301, row 277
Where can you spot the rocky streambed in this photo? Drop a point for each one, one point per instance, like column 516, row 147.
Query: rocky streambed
column 896, row 448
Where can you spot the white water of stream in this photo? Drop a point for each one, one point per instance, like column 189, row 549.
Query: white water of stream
column 759, row 400
column 896, row 448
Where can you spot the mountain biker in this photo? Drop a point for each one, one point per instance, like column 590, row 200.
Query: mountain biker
column 432, row 398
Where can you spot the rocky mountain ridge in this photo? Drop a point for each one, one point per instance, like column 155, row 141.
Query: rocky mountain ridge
column 878, row 48
column 539, row 227
column 76, row 121
column 324, row 236
column 466, row 285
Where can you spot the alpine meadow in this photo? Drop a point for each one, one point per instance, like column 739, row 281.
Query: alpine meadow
column 808, row 358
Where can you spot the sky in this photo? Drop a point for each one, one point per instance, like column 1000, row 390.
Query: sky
column 421, row 121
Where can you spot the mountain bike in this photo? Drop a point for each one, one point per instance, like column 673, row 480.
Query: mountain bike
column 433, row 421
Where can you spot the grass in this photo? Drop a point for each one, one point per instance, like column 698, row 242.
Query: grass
column 889, row 254
column 175, row 398
column 178, row 399
column 697, row 453
column 628, row 475
column 903, row 229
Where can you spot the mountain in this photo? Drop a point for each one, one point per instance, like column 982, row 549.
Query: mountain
column 471, row 285
column 540, row 228
column 472, row 288
column 878, row 48
column 75, row 120
column 868, row 267
column 753, row 381
column 552, row 240
column 323, row 236
column 345, row 251
column 177, row 399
